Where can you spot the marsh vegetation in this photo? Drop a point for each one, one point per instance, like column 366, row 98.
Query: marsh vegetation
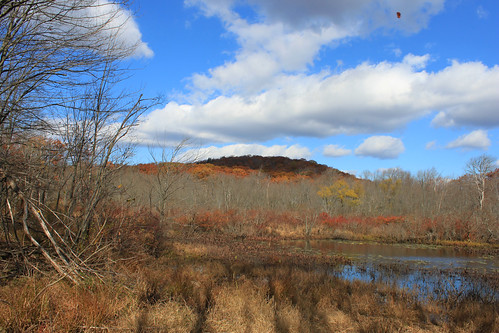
column 215, row 249
column 90, row 243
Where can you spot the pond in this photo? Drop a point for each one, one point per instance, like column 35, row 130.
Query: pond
column 430, row 271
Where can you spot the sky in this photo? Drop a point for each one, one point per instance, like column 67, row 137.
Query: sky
column 345, row 83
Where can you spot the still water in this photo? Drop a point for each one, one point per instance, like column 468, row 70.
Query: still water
column 430, row 271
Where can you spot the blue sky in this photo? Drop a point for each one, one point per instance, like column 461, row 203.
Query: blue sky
column 345, row 83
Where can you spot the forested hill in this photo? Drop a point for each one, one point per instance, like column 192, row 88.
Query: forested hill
column 276, row 167
column 272, row 165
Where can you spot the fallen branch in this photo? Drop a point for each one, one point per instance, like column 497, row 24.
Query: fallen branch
column 44, row 252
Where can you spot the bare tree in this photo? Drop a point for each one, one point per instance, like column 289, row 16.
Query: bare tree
column 428, row 181
column 477, row 169
column 169, row 171
column 60, row 57
column 49, row 46
column 91, row 133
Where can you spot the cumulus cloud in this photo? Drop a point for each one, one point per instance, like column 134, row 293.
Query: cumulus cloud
column 465, row 94
column 267, row 91
column 335, row 151
column 294, row 151
column 288, row 36
column 103, row 24
column 267, row 53
column 475, row 140
column 370, row 98
column 383, row 147
column 121, row 28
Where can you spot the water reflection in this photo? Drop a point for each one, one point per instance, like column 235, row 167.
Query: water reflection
column 431, row 272
column 422, row 256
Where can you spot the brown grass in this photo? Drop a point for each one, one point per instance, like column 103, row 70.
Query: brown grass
column 34, row 302
column 170, row 316
column 242, row 307
column 212, row 284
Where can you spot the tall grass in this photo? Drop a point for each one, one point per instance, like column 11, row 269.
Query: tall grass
column 185, row 276
column 207, row 295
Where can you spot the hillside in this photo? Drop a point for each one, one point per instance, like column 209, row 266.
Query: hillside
column 273, row 165
column 278, row 168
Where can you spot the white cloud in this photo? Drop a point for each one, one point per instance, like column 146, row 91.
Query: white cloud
column 267, row 91
column 370, row 98
column 221, row 8
column 294, row 151
column 475, row 140
column 383, row 147
column 103, row 24
column 267, row 52
column 121, row 28
column 431, row 145
column 289, row 35
column 415, row 61
column 465, row 94
column 335, row 151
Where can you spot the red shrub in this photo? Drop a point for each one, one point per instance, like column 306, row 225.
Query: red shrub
column 390, row 219
column 334, row 221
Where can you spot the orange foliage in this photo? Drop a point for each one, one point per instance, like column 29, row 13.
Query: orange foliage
column 148, row 169
column 205, row 170
column 278, row 169
column 271, row 164
column 281, row 177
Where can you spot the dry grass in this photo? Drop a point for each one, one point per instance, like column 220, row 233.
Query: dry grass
column 170, row 316
column 241, row 308
column 196, row 250
column 288, row 317
column 193, row 288
column 34, row 302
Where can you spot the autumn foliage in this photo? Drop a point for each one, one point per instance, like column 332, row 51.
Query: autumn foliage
column 260, row 195
column 271, row 165
column 278, row 169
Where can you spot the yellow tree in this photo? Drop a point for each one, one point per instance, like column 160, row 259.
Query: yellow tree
column 341, row 192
